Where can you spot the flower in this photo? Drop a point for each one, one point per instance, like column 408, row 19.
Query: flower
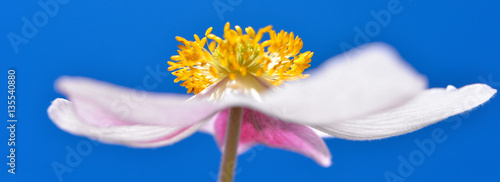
column 367, row 94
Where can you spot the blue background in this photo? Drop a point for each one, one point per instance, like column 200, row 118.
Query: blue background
column 452, row 43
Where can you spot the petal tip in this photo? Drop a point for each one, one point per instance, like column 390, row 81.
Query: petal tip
column 61, row 84
column 325, row 162
column 484, row 92
column 56, row 104
column 451, row 88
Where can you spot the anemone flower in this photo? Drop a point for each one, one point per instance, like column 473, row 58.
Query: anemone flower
column 366, row 94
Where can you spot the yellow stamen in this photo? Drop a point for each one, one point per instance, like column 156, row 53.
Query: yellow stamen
column 209, row 30
column 243, row 71
column 232, row 76
column 211, row 47
column 238, row 29
column 275, row 60
column 250, row 31
column 176, row 58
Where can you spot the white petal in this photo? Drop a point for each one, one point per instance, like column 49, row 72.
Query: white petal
column 427, row 108
column 101, row 103
column 371, row 80
column 62, row 113
column 208, row 127
column 321, row 133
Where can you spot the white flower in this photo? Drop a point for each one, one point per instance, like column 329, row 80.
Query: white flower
column 370, row 94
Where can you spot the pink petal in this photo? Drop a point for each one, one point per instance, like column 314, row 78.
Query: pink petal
column 62, row 113
column 103, row 104
column 209, row 128
column 270, row 131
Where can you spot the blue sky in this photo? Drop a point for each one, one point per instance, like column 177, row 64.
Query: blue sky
column 118, row 42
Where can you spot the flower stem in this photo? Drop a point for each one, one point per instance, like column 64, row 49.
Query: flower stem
column 229, row 155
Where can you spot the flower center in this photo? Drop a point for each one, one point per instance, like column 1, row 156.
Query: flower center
column 201, row 64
